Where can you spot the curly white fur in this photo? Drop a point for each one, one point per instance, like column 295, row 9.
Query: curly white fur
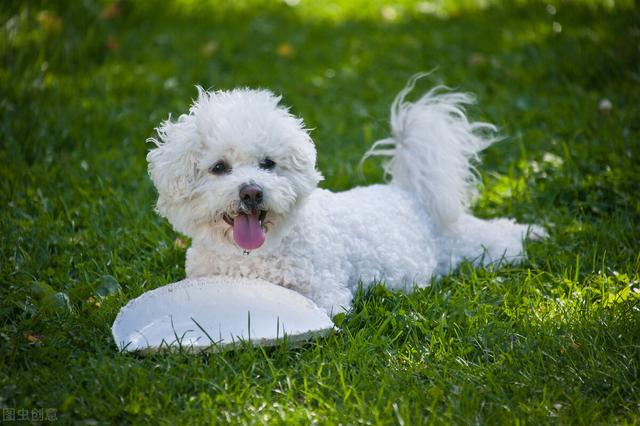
column 318, row 242
column 432, row 148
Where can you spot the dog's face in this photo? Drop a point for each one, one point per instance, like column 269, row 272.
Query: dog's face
column 232, row 172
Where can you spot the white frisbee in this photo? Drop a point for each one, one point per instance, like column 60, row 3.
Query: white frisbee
column 216, row 313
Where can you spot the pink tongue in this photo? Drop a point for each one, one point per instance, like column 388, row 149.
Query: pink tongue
column 247, row 231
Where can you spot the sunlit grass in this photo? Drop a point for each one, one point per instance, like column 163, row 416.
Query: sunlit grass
column 337, row 11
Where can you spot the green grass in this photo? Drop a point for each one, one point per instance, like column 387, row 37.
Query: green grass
column 556, row 340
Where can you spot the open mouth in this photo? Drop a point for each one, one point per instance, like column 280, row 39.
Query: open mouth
column 248, row 229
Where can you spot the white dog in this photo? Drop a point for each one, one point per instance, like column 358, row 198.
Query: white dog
column 238, row 175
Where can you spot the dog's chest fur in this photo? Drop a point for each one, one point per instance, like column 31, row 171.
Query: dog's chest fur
column 287, row 271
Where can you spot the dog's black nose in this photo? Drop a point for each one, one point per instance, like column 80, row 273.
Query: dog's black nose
column 251, row 195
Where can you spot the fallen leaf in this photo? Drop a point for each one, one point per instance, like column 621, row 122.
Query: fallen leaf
column 477, row 59
column 209, row 48
column 49, row 21
column 32, row 337
column 94, row 302
column 285, row 50
column 113, row 43
column 112, row 11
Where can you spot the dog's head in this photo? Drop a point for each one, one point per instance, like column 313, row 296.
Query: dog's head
column 233, row 171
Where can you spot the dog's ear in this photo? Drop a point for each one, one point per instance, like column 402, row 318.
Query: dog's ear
column 302, row 160
column 173, row 164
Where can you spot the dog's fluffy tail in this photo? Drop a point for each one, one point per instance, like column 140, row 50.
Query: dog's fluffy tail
column 433, row 148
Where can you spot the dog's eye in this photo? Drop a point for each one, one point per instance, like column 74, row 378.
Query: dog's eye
column 219, row 168
column 267, row 164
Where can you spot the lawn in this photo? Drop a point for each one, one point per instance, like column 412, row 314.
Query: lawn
column 555, row 340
